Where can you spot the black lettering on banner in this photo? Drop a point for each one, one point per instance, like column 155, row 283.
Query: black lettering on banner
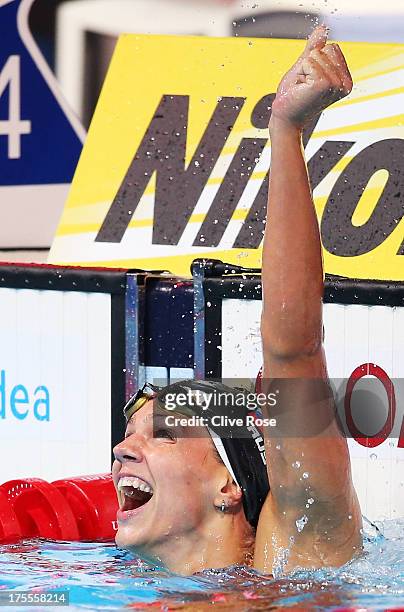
column 236, row 179
column 254, row 224
column 325, row 159
column 262, row 112
column 339, row 235
column 230, row 192
column 232, row 187
column 252, row 230
column 162, row 150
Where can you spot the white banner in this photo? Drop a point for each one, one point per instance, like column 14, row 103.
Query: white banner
column 357, row 338
column 55, row 383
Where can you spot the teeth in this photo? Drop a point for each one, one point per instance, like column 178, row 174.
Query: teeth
column 135, row 483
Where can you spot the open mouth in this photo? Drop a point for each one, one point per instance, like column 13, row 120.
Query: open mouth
column 133, row 492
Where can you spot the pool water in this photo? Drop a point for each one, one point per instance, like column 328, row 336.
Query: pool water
column 101, row 577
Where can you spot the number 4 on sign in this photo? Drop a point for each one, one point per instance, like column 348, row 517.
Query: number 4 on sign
column 14, row 128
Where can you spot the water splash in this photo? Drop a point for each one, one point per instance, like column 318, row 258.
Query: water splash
column 374, row 580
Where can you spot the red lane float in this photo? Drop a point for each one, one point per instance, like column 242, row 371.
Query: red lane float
column 82, row 508
column 10, row 530
column 94, row 504
column 41, row 510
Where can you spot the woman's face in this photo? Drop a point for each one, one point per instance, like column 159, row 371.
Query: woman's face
column 180, row 477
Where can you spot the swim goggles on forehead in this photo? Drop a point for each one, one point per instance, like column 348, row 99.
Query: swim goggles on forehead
column 137, row 401
column 148, row 392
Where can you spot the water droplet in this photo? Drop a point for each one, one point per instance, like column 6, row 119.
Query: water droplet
column 373, row 456
column 301, row 523
column 305, row 474
column 296, row 464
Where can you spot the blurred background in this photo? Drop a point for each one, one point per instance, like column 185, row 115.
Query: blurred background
column 77, row 37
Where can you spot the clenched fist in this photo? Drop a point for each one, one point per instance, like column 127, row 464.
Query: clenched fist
column 319, row 78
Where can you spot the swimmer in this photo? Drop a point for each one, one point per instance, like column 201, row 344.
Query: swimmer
column 192, row 501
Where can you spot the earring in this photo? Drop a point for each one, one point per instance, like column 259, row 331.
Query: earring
column 223, row 507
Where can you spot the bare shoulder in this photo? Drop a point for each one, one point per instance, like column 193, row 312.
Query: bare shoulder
column 313, row 537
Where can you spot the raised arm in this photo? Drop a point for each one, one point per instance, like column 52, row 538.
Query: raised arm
column 312, row 509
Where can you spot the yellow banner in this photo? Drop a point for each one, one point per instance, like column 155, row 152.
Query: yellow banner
column 176, row 161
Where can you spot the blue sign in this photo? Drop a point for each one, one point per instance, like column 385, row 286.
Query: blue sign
column 40, row 140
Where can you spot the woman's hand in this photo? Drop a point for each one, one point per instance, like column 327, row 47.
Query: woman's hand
column 319, row 78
